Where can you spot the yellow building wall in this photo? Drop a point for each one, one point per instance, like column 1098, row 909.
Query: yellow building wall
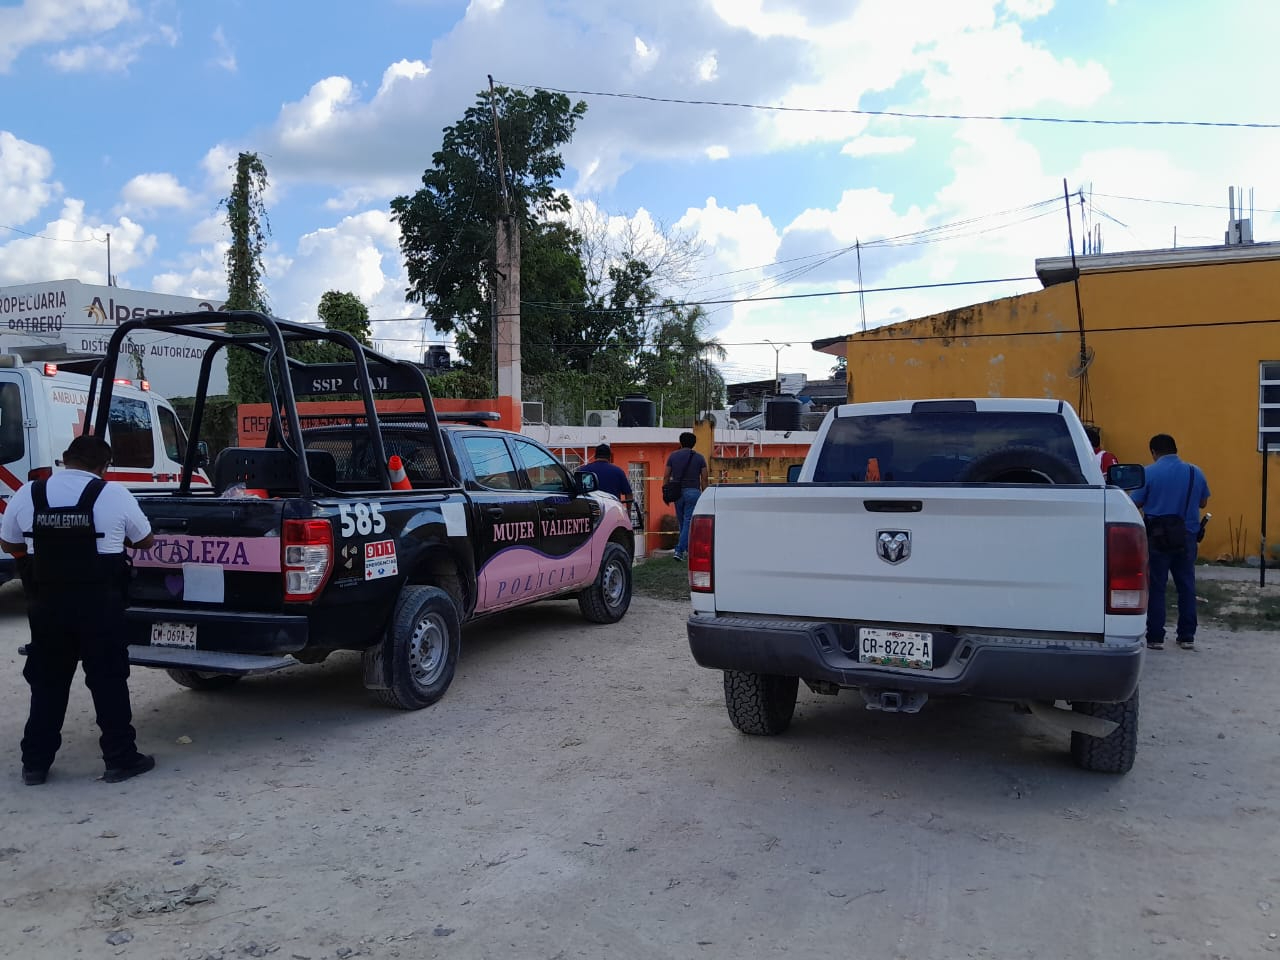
column 1158, row 369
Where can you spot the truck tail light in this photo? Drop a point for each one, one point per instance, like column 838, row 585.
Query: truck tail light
column 1126, row 568
column 308, row 558
column 702, row 554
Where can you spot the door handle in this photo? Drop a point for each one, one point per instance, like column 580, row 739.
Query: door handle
column 548, row 511
column 494, row 513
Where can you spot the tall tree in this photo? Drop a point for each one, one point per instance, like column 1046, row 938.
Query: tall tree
column 345, row 312
column 247, row 220
column 447, row 227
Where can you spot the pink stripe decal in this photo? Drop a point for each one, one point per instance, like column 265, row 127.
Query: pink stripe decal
column 251, row 554
column 520, row 574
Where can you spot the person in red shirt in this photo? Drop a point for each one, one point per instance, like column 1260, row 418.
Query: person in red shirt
column 1106, row 459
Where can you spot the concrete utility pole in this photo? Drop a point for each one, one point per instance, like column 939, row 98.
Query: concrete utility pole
column 506, row 327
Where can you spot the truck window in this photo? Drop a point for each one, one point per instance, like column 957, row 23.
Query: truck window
column 131, row 439
column 12, row 435
column 545, row 471
column 175, row 438
column 932, row 447
column 491, row 462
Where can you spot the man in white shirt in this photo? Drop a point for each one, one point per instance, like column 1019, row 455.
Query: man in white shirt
column 69, row 535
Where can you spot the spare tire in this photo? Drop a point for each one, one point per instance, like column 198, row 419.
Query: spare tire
column 1020, row 465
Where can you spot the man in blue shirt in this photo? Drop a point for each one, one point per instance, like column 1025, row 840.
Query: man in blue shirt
column 609, row 478
column 1174, row 488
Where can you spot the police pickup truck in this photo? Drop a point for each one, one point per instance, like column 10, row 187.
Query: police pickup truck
column 310, row 545
column 932, row 548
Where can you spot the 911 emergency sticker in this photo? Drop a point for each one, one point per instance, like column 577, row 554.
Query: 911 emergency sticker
column 380, row 559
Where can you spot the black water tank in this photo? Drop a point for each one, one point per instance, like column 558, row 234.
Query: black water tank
column 636, row 410
column 782, row 413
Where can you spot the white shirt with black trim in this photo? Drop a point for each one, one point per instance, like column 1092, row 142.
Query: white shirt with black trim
column 116, row 515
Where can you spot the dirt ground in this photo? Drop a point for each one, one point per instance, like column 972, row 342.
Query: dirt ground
column 580, row 793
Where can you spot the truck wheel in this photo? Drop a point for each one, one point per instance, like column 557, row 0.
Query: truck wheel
column 421, row 648
column 760, row 704
column 1019, row 464
column 200, row 680
column 606, row 600
column 1114, row 753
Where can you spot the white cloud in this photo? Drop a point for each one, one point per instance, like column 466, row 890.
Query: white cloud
column 708, row 68
column 717, row 152
column 1028, row 9
column 74, row 246
column 82, row 59
column 38, row 22
column 402, row 70
column 25, row 187
column 869, row 145
column 225, row 55
column 153, row 191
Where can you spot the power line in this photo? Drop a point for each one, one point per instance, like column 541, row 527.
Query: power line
column 781, row 296
column 1177, row 203
column 902, row 114
column 1197, row 325
column 40, row 236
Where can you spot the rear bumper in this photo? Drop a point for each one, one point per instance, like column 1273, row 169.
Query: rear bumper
column 223, row 631
column 995, row 668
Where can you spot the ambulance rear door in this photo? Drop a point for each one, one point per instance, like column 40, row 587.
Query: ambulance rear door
column 17, row 432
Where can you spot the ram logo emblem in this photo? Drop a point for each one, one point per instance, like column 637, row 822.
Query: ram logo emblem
column 893, row 546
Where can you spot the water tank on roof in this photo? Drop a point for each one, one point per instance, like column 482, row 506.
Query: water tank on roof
column 782, row 413
column 636, row 410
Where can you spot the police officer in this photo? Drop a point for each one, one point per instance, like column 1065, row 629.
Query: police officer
column 69, row 532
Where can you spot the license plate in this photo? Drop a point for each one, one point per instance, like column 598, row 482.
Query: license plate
column 895, row 648
column 173, row 635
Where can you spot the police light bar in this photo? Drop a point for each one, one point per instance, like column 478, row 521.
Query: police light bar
column 50, row 369
column 123, row 381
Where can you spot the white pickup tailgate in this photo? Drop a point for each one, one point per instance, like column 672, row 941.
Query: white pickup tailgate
column 1006, row 557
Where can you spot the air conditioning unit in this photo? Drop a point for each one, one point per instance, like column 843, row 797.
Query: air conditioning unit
column 531, row 412
column 721, row 419
column 602, row 418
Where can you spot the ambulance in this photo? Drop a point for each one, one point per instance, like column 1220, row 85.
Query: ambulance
column 42, row 408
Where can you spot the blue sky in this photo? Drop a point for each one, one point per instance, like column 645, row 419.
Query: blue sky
column 125, row 115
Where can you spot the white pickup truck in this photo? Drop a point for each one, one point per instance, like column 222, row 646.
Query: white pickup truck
column 932, row 547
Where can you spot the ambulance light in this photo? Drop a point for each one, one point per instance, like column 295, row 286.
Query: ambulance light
column 50, row 369
column 123, row 382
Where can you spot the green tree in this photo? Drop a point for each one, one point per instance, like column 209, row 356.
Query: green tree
column 247, row 220
column 345, row 312
column 448, row 227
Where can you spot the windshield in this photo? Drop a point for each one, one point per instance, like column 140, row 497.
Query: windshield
column 932, row 447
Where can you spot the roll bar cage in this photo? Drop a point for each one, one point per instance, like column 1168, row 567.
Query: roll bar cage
column 284, row 376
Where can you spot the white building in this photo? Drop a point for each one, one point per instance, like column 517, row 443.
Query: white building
column 82, row 316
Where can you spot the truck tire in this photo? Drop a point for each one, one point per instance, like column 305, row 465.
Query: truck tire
column 1020, row 465
column 421, row 648
column 200, row 680
column 760, row 704
column 607, row 599
column 1114, row 753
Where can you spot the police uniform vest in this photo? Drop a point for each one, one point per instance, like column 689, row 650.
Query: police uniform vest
column 66, row 544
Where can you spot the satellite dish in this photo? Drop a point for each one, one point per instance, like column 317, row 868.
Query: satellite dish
column 1077, row 370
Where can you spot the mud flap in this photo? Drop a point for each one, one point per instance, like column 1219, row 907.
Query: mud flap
column 377, row 668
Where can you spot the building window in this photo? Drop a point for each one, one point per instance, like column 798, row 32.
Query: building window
column 1269, row 405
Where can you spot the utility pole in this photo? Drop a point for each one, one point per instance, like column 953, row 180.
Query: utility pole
column 110, row 281
column 777, row 356
column 506, row 327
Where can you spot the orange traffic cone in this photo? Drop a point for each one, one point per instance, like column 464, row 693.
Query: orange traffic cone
column 399, row 479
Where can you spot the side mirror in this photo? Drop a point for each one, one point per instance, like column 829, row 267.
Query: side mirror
column 202, row 454
column 1127, row 476
column 793, row 473
column 586, row 482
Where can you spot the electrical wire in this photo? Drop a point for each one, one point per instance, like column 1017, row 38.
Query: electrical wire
column 40, row 236
column 902, row 114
